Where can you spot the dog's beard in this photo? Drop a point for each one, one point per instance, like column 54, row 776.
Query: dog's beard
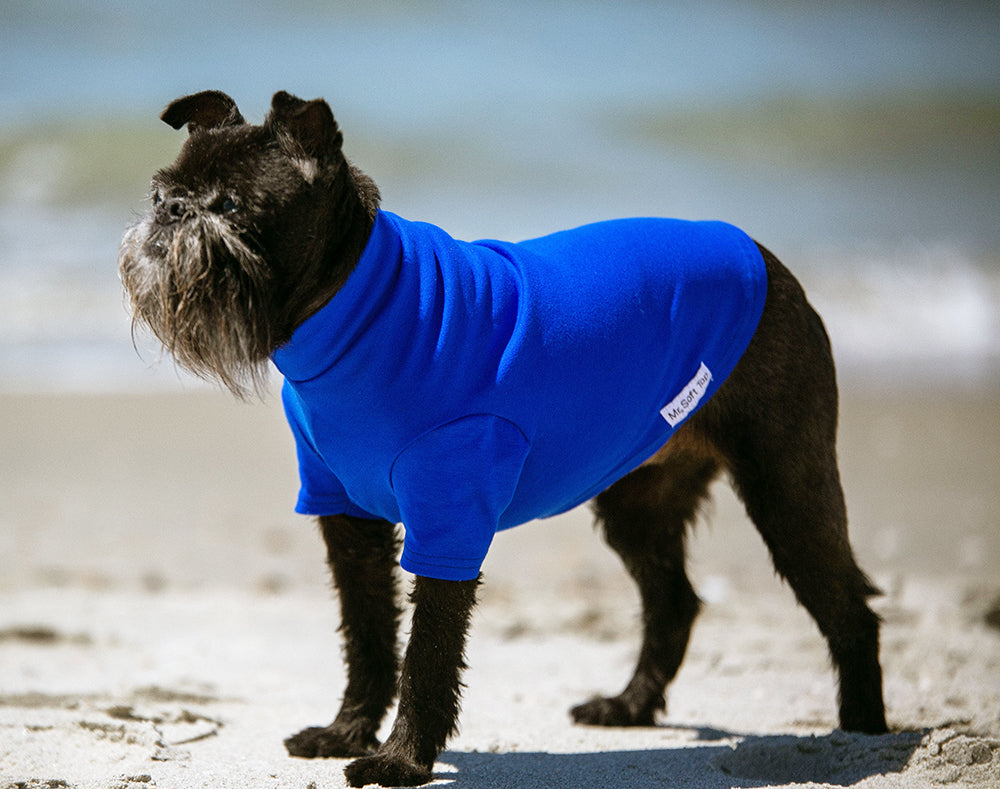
column 200, row 289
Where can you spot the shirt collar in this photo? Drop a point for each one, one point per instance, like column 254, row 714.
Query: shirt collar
column 324, row 337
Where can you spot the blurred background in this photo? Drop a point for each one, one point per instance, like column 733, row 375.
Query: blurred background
column 860, row 141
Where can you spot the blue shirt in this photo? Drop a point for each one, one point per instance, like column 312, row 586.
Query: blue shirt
column 461, row 388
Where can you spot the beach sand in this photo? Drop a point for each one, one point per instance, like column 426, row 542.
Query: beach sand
column 165, row 618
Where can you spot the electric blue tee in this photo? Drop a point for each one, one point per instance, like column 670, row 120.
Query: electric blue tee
column 460, row 388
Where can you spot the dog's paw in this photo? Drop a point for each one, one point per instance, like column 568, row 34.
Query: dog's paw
column 386, row 771
column 611, row 712
column 321, row 742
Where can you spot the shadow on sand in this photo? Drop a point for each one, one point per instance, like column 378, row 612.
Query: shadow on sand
column 839, row 759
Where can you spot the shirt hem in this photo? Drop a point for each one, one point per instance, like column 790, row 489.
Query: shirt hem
column 441, row 569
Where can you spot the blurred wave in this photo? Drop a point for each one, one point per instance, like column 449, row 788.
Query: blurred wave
column 860, row 142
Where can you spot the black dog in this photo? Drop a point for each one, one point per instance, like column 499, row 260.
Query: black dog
column 255, row 229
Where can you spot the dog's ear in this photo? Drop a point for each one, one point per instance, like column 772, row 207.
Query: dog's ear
column 210, row 109
column 309, row 123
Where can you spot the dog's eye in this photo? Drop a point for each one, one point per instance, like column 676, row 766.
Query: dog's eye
column 225, row 204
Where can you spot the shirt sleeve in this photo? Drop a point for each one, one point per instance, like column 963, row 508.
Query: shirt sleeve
column 320, row 491
column 452, row 485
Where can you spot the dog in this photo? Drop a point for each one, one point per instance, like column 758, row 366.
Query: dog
column 462, row 388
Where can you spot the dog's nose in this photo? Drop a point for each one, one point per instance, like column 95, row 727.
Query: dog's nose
column 171, row 209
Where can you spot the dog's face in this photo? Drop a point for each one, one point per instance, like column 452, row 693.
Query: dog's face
column 251, row 230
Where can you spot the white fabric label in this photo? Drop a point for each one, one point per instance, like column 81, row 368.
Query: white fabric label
column 677, row 410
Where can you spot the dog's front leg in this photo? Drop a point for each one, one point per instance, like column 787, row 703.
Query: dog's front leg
column 362, row 559
column 429, row 687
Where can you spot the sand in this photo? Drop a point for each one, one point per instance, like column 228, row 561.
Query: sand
column 165, row 619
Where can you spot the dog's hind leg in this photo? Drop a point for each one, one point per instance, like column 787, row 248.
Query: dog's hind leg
column 774, row 421
column 645, row 516
column 797, row 509
column 362, row 559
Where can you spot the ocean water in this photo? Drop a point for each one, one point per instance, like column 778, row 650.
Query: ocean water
column 859, row 141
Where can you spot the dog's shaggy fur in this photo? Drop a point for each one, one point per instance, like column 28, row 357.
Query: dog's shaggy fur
column 254, row 228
